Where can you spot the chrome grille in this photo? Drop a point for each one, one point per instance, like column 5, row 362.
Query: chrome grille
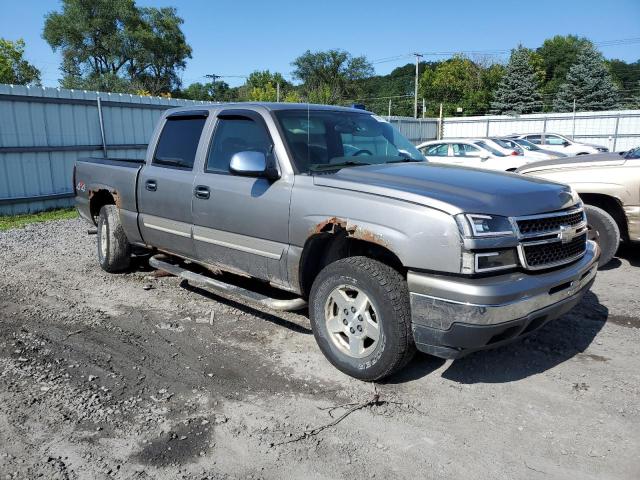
column 552, row 239
column 544, row 225
column 549, row 254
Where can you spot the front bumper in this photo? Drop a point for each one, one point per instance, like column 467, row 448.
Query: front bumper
column 453, row 316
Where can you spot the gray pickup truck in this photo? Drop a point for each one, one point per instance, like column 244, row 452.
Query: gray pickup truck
column 334, row 206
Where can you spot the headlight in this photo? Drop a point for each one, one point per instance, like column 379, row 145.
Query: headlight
column 476, row 225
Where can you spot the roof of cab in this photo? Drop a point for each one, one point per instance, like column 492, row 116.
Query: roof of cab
column 273, row 106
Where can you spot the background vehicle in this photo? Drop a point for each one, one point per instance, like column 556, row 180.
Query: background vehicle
column 470, row 153
column 609, row 185
column 337, row 208
column 534, row 150
column 562, row 144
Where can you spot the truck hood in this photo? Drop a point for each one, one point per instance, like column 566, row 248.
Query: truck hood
column 581, row 161
column 454, row 189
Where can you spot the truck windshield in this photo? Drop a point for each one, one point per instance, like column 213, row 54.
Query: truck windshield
column 325, row 140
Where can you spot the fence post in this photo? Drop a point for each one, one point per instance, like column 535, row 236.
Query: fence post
column 488, row 122
column 544, row 130
column 615, row 133
column 104, row 140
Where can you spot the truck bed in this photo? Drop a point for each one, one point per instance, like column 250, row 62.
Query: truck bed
column 117, row 177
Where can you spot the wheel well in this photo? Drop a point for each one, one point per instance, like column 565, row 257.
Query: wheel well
column 610, row 205
column 324, row 248
column 98, row 199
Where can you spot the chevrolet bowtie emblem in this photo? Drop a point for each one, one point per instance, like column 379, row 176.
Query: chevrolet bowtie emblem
column 567, row 233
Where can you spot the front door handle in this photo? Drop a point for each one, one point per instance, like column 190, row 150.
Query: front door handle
column 151, row 185
column 202, row 191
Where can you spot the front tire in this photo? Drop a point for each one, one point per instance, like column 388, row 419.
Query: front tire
column 604, row 230
column 361, row 318
column 114, row 250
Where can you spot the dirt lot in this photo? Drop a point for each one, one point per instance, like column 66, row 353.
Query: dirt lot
column 135, row 377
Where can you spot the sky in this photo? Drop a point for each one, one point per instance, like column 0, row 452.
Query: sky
column 234, row 38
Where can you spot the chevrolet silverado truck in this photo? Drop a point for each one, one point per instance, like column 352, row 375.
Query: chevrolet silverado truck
column 609, row 186
column 334, row 206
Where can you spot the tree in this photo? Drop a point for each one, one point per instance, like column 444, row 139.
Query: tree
column 14, row 68
column 589, row 83
column 558, row 55
column 330, row 76
column 210, row 92
column 160, row 50
column 519, row 89
column 112, row 44
column 457, row 83
column 262, row 86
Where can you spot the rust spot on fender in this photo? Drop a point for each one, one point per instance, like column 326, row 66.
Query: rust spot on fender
column 117, row 199
column 352, row 230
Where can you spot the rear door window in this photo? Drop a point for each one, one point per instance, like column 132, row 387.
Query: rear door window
column 537, row 139
column 178, row 142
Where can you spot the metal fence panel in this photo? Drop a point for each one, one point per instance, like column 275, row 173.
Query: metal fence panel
column 618, row 130
column 44, row 130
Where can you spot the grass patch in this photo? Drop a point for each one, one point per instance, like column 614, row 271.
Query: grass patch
column 7, row 222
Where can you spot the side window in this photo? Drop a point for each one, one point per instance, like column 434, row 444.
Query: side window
column 465, row 150
column 553, row 140
column 235, row 134
column 534, row 139
column 437, row 150
column 178, row 142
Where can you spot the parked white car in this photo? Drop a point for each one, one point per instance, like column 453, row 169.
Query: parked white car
column 562, row 144
column 508, row 147
column 535, row 151
column 470, row 153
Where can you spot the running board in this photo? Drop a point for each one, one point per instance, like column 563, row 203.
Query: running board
column 222, row 287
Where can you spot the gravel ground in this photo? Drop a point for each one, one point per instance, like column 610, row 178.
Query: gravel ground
column 137, row 376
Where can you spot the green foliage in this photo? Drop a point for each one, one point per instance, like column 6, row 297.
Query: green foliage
column 262, row 86
column 18, row 221
column 209, row 92
column 458, row 83
column 330, row 76
column 114, row 44
column 519, row 89
column 558, row 55
column 14, row 68
column 589, row 83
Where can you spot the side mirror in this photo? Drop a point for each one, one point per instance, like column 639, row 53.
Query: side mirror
column 566, row 143
column 251, row 164
column 484, row 157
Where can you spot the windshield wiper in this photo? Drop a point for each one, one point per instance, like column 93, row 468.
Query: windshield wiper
column 404, row 160
column 331, row 166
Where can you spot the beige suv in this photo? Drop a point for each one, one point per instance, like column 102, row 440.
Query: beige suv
column 609, row 185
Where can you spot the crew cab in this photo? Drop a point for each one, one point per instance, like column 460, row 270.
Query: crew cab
column 334, row 206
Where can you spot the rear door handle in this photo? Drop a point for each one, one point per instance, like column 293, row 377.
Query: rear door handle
column 202, row 191
column 151, row 185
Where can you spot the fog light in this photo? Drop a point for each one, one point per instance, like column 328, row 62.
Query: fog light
column 489, row 261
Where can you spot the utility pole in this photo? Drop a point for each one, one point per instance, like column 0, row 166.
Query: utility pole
column 440, row 129
column 389, row 110
column 415, row 99
column 573, row 135
column 423, row 108
column 278, row 92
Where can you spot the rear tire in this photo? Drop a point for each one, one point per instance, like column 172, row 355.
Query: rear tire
column 604, row 230
column 361, row 318
column 114, row 251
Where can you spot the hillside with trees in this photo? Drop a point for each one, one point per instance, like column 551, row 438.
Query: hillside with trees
column 117, row 46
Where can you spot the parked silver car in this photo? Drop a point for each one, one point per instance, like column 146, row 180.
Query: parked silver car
column 470, row 153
